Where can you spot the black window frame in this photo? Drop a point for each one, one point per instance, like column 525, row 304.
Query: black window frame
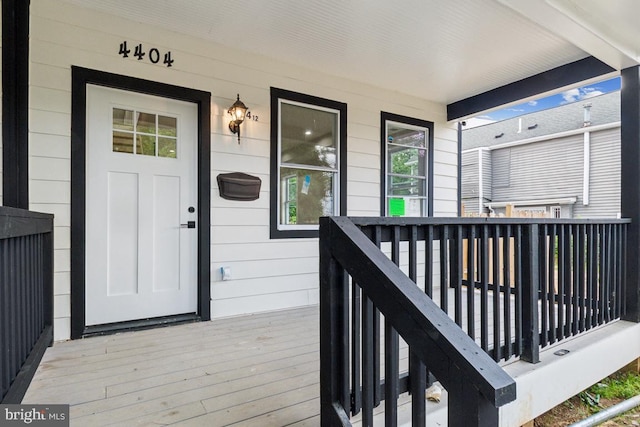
column 412, row 121
column 283, row 94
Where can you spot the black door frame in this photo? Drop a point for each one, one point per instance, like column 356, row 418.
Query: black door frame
column 81, row 77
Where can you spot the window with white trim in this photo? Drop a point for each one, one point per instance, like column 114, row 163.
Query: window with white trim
column 307, row 162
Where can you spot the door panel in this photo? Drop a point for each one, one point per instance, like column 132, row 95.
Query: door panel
column 141, row 181
column 166, row 248
column 122, row 234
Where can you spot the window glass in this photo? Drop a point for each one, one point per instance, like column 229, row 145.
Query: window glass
column 308, row 136
column 307, row 195
column 146, row 123
column 122, row 119
column 154, row 135
column 123, row 142
column 146, row 145
column 167, row 147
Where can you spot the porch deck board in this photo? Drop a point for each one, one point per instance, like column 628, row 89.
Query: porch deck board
column 253, row 370
column 260, row 370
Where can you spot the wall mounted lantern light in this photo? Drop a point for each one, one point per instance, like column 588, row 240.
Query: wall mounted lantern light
column 238, row 112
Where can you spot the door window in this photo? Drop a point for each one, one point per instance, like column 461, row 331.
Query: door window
column 143, row 133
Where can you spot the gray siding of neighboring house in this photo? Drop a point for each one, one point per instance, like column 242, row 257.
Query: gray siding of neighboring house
column 604, row 182
column 542, row 170
column 501, row 171
column 470, row 177
column 487, row 178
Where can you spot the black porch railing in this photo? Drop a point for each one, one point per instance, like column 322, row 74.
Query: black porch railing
column 26, row 297
column 535, row 282
column 477, row 386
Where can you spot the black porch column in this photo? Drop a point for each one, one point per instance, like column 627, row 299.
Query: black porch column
column 630, row 185
column 15, row 103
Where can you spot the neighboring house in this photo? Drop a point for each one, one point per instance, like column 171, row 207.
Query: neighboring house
column 563, row 161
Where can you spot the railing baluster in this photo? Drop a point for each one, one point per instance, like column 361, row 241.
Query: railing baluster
column 413, row 253
column 428, row 261
column 5, row 379
column 356, row 402
column 591, row 275
column 484, row 287
column 377, row 390
column 445, row 266
column 544, row 284
column 391, row 373
column 367, row 362
column 497, row 351
column 418, row 385
column 621, row 276
column 518, row 287
column 568, row 280
column 506, row 256
column 608, row 274
column 623, row 264
column 561, row 281
column 602, row 294
column 417, row 370
column 614, row 272
column 575, row 288
column 582, row 265
column 457, row 270
column 471, row 241
column 392, row 350
column 553, row 284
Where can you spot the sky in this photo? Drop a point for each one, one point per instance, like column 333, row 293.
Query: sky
column 566, row 97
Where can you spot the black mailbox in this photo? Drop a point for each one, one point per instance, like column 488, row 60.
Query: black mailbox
column 239, row 186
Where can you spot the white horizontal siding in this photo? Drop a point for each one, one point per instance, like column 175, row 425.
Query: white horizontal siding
column 266, row 274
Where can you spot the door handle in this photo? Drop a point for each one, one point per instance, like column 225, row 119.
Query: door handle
column 189, row 224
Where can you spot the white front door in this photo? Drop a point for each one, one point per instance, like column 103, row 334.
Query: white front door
column 141, row 186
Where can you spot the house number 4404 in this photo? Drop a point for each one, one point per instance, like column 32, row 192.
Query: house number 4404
column 139, row 52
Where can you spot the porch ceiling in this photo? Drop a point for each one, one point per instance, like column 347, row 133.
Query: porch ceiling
column 440, row 50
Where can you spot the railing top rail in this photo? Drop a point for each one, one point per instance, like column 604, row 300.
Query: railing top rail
column 19, row 222
column 405, row 221
column 434, row 337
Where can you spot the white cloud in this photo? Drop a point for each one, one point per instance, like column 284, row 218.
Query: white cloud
column 571, row 95
column 574, row 95
column 517, row 110
column 532, row 103
column 593, row 93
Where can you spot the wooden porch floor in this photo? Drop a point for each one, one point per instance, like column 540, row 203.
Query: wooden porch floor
column 259, row 370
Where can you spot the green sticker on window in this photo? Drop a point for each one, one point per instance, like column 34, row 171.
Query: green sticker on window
column 396, row 207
